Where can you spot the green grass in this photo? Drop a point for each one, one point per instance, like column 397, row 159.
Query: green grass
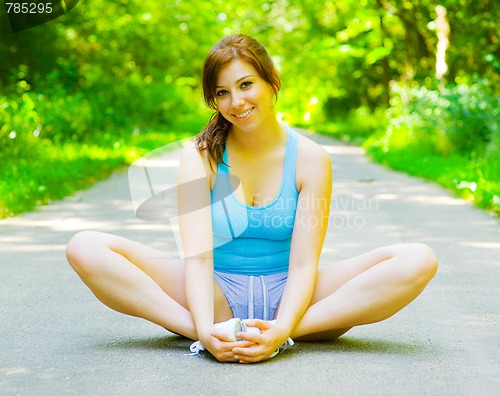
column 51, row 172
column 473, row 179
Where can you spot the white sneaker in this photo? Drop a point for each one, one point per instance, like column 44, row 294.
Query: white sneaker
column 288, row 343
column 230, row 328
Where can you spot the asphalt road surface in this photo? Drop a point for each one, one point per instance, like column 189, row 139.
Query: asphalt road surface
column 57, row 339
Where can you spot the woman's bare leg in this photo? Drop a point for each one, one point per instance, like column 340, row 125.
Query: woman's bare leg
column 366, row 289
column 136, row 280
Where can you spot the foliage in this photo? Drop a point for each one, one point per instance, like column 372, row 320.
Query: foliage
column 346, row 54
column 135, row 64
column 456, row 119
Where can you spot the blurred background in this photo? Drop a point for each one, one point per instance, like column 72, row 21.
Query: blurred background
column 416, row 83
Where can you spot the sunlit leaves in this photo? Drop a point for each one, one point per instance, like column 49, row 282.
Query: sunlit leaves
column 129, row 58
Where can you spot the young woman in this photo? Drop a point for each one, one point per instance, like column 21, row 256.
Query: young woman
column 252, row 250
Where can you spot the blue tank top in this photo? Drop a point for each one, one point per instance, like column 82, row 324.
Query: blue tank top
column 254, row 240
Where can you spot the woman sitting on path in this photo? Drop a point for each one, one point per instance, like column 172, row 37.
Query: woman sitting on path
column 252, row 252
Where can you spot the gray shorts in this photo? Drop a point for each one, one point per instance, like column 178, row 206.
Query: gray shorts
column 252, row 297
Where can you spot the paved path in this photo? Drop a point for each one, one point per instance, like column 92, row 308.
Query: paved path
column 56, row 338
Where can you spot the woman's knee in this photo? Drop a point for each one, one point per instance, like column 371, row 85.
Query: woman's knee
column 422, row 260
column 82, row 249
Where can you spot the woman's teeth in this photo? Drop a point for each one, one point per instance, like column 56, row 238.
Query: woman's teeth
column 243, row 115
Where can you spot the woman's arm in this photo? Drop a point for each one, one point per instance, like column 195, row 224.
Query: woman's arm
column 314, row 181
column 314, row 171
column 195, row 223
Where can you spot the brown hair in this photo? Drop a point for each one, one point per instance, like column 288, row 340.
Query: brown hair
column 213, row 137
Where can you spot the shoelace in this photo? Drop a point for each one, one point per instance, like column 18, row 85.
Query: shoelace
column 288, row 343
column 195, row 348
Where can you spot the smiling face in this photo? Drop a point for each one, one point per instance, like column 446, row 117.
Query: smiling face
column 243, row 97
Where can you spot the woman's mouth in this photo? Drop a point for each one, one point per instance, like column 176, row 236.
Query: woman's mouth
column 245, row 114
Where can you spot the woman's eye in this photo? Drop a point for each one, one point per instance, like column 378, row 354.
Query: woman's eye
column 222, row 92
column 246, row 84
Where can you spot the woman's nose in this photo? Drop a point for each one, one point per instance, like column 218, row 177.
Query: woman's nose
column 237, row 100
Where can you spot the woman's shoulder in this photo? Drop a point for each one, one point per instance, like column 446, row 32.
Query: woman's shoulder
column 309, row 151
column 313, row 161
column 195, row 160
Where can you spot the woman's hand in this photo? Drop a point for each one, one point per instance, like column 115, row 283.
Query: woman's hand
column 220, row 345
column 262, row 345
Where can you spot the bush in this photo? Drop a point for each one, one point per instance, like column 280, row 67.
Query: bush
column 86, row 110
column 449, row 135
column 457, row 119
